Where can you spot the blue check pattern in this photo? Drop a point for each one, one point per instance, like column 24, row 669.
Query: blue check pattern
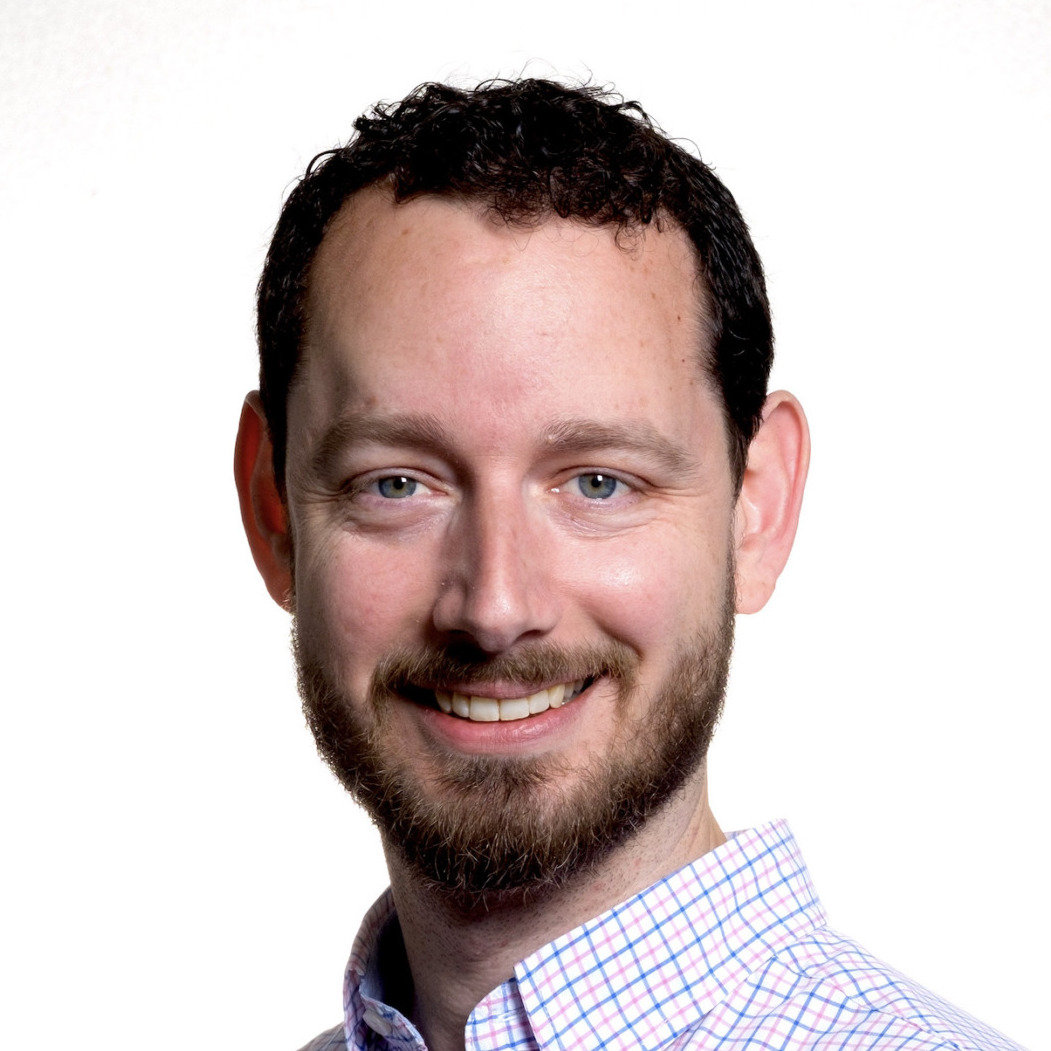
column 731, row 953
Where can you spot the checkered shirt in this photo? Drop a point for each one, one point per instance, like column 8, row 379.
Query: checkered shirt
column 729, row 953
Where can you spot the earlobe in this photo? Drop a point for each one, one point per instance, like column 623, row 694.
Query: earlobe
column 771, row 495
column 263, row 510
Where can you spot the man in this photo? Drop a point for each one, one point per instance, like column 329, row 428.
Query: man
column 513, row 468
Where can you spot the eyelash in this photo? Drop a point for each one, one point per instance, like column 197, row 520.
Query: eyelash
column 602, row 476
column 371, row 486
column 402, row 480
column 573, row 486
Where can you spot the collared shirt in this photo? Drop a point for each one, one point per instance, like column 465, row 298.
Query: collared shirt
column 730, row 952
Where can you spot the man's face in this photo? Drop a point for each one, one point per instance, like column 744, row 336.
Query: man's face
column 512, row 510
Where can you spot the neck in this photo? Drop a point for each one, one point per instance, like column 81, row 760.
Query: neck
column 457, row 956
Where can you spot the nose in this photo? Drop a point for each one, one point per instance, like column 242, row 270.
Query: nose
column 497, row 585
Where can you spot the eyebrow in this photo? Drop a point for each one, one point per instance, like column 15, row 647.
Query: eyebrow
column 572, row 435
column 414, row 430
column 565, row 435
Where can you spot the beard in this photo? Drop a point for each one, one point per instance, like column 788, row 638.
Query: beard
column 488, row 829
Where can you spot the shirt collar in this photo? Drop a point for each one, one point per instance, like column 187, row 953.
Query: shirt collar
column 365, row 1004
column 638, row 974
column 646, row 970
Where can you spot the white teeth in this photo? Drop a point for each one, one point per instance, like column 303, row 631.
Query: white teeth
column 491, row 709
column 513, row 709
column 540, row 702
column 484, row 710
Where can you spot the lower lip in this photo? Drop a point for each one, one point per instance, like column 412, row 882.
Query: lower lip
column 537, row 732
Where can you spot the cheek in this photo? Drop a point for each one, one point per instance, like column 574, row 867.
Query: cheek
column 648, row 593
column 358, row 601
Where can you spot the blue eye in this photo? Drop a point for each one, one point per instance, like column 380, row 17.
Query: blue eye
column 597, row 486
column 396, row 487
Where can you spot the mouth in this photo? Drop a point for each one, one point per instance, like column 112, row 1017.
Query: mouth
column 480, row 709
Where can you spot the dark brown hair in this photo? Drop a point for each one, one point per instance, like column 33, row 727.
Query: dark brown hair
column 528, row 149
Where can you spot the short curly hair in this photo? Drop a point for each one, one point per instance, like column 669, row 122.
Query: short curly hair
column 529, row 149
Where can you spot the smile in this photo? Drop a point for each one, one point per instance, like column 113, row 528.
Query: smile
column 493, row 710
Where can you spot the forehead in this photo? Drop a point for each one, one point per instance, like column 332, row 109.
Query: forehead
column 435, row 299
column 375, row 248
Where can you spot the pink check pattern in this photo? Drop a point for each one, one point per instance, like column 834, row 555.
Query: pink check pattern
column 729, row 953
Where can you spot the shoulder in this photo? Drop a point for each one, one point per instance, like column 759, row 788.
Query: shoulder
column 330, row 1040
column 829, row 992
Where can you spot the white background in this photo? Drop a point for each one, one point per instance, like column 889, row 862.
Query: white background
column 179, row 870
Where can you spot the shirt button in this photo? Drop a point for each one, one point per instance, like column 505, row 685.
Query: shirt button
column 376, row 1022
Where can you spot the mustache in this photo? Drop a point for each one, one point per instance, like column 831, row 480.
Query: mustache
column 462, row 664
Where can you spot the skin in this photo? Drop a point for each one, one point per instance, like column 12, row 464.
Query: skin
column 539, row 359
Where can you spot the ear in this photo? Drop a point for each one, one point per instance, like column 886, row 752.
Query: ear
column 263, row 511
column 767, row 510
